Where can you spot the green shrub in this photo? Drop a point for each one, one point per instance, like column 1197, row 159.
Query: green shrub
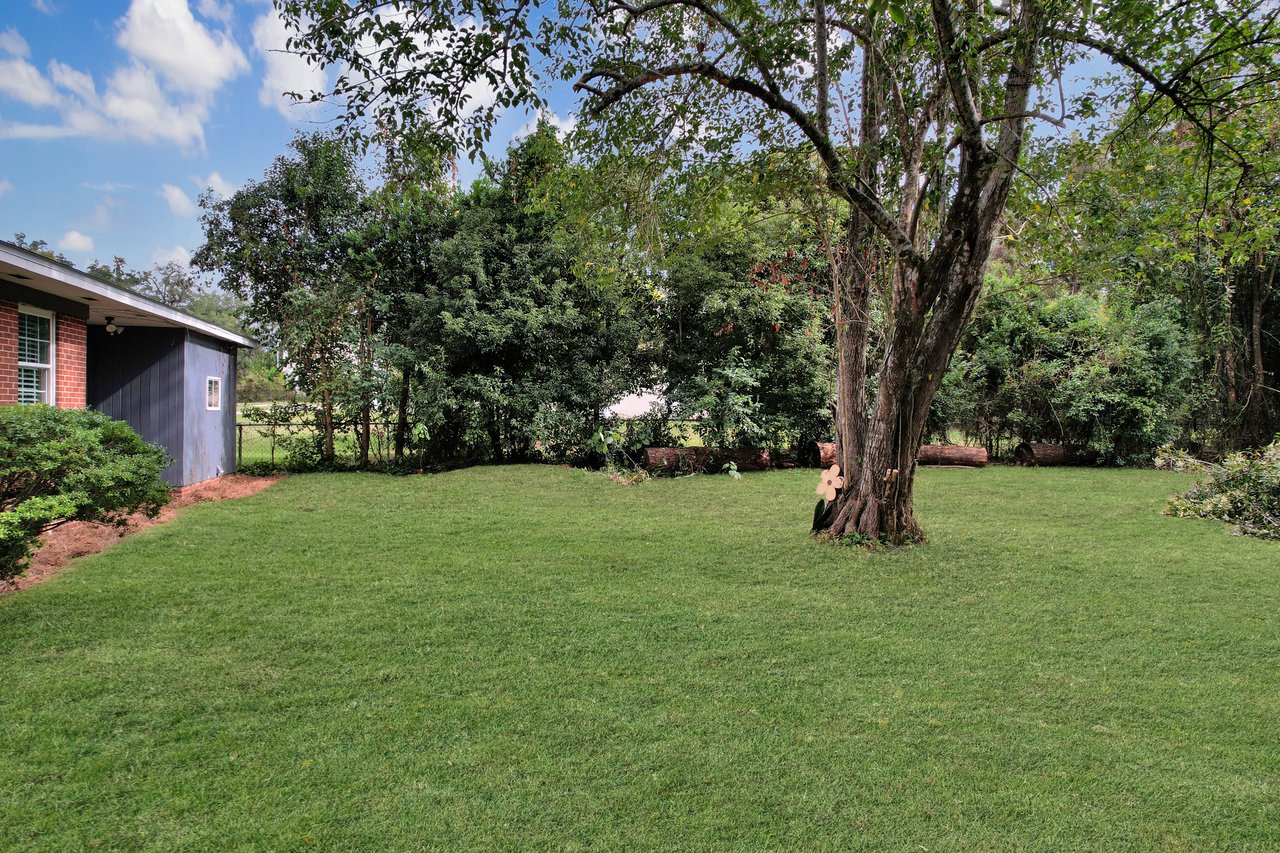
column 1244, row 491
column 58, row 466
column 561, row 434
column 743, row 344
column 654, row 428
column 1074, row 370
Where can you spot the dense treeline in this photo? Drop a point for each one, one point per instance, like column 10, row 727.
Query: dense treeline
column 501, row 322
column 486, row 328
column 1177, row 249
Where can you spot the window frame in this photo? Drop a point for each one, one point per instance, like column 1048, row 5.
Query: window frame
column 51, row 368
column 208, row 380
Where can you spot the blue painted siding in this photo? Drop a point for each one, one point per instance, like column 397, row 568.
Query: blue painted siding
column 137, row 377
column 154, row 380
column 209, row 445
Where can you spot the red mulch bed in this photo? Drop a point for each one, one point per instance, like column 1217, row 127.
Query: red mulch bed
column 77, row 538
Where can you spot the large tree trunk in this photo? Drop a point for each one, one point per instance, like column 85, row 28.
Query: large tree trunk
column 402, row 414
column 326, row 423
column 1257, row 427
column 877, row 500
column 932, row 299
column 856, row 262
column 366, row 430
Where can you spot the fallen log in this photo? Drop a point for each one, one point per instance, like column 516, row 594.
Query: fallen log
column 675, row 460
column 930, row 454
column 746, row 459
column 953, row 454
column 1039, row 453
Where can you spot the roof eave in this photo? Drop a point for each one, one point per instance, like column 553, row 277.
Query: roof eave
column 72, row 277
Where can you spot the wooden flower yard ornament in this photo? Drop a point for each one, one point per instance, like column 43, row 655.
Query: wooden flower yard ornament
column 830, row 483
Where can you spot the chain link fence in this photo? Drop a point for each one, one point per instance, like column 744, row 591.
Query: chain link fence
column 272, row 442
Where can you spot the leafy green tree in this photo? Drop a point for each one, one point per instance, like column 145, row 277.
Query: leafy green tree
column 40, row 247
column 1151, row 211
column 407, row 221
column 169, row 283
column 173, row 284
column 285, row 245
column 940, row 98
column 119, row 273
column 743, row 341
column 1073, row 370
column 514, row 329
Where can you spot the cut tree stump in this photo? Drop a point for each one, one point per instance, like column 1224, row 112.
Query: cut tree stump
column 826, row 454
column 747, row 459
column 930, row 454
column 1038, row 453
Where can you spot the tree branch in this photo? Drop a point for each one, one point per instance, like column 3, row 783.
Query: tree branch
column 837, row 173
column 1168, row 89
column 821, row 74
column 967, row 113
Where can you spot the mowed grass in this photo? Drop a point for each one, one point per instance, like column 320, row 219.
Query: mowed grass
column 526, row 657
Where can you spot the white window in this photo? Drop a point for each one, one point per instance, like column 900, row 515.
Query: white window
column 36, row 355
column 213, row 394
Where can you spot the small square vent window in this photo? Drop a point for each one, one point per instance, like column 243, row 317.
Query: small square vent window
column 213, row 394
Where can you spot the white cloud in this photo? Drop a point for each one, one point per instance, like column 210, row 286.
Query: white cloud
column 170, row 254
column 107, row 186
column 180, row 204
column 220, row 185
column 43, row 6
column 137, row 106
column 166, row 37
column 74, row 241
column 163, row 93
column 78, row 83
column 22, row 81
column 563, row 126
column 12, row 43
column 285, row 72
column 215, row 11
column 6, row 186
column 36, row 131
column 101, row 216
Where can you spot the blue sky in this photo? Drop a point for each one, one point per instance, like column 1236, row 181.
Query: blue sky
column 116, row 114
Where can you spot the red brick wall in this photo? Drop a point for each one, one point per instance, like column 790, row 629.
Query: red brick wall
column 69, row 372
column 70, row 343
column 8, row 352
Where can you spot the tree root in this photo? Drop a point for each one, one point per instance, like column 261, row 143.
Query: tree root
column 873, row 522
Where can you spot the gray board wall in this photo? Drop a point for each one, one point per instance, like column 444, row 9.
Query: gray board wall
column 154, row 379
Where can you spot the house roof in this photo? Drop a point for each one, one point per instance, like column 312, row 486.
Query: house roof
column 27, row 269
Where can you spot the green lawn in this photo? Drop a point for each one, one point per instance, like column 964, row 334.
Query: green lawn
column 535, row 657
